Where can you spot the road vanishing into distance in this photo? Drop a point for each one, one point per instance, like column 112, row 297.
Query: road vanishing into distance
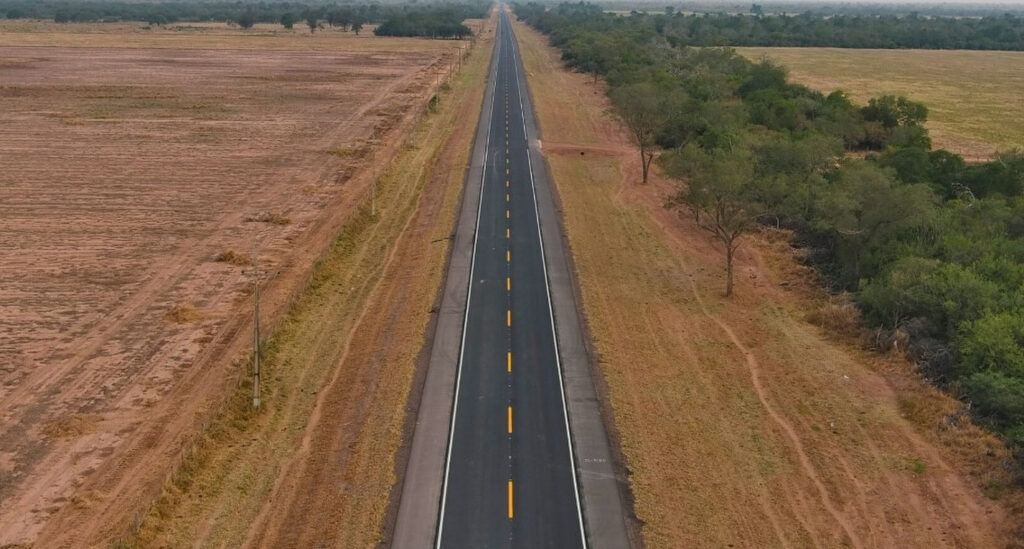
column 509, row 448
column 509, row 478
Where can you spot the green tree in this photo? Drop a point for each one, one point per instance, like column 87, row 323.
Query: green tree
column 999, row 399
column 893, row 111
column 246, row 19
column 1004, row 175
column 945, row 294
column 868, row 215
column 946, row 173
column 721, row 187
column 911, row 164
column 798, row 167
column 993, row 343
column 287, row 20
column 642, row 108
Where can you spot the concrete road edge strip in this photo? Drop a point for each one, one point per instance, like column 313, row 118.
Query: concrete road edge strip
column 418, row 510
column 603, row 510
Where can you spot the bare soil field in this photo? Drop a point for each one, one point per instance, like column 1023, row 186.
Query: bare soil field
column 741, row 423
column 208, row 35
column 138, row 172
column 973, row 97
column 316, row 466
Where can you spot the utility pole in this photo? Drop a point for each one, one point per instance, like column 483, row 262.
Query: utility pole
column 373, row 184
column 437, row 89
column 257, row 276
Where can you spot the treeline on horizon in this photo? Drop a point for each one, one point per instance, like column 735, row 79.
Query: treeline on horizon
column 824, row 8
column 439, row 20
column 1002, row 32
column 930, row 247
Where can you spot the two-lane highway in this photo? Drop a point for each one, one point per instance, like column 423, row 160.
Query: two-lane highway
column 510, row 473
column 509, row 447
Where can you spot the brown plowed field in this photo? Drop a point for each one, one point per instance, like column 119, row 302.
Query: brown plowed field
column 126, row 172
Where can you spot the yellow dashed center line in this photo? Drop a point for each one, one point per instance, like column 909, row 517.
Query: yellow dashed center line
column 510, row 506
column 508, row 318
column 508, row 284
column 510, row 420
column 507, row 197
column 507, row 214
column 508, row 233
column 508, row 256
column 509, row 361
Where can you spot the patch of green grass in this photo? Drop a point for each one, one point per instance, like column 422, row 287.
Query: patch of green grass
column 343, row 152
column 993, row 489
column 917, row 466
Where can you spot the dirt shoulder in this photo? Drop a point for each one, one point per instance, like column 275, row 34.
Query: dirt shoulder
column 316, row 465
column 743, row 424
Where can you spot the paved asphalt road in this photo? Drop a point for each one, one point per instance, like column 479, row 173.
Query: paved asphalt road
column 509, row 477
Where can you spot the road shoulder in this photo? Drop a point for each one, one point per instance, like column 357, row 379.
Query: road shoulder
column 421, row 490
column 601, row 489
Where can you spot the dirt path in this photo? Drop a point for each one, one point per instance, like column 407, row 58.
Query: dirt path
column 742, row 424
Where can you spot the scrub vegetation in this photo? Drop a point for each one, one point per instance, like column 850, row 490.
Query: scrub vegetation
column 931, row 247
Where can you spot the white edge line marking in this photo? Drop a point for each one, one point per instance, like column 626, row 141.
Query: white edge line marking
column 465, row 315
column 551, row 313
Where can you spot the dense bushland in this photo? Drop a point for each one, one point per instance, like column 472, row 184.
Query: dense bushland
column 434, row 20
column 823, row 8
column 1004, row 32
column 440, row 22
column 932, row 247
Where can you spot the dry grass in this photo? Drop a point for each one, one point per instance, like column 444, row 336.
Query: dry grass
column 742, row 424
column 346, row 353
column 69, row 426
column 232, row 257
column 204, row 36
column 974, row 97
column 273, row 218
column 838, row 315
column 183, row 314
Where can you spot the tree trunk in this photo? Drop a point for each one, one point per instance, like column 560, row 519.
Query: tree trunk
column 645, row 161
column 730, row 251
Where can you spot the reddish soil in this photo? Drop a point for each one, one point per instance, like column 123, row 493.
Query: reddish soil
column 125, row 173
